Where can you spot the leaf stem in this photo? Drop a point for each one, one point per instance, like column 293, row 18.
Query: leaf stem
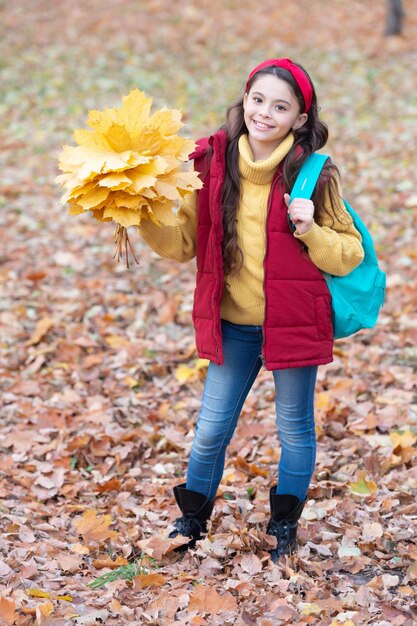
column 121, row 239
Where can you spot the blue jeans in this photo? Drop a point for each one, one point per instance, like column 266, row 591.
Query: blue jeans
column 225, row 391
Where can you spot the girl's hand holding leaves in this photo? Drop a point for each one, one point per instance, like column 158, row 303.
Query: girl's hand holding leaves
column 127, row 168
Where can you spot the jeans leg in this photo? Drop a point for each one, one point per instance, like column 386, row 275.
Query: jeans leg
column 225, row 391
column 296, row 429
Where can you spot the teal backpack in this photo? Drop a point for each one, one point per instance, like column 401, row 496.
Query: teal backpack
column 357, row 297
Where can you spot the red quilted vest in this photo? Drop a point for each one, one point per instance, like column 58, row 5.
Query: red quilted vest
column 297, row 328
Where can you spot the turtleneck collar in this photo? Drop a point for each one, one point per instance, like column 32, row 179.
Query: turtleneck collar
column 261, row 172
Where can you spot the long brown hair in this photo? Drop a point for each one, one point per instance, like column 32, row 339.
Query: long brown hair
column 310, row 137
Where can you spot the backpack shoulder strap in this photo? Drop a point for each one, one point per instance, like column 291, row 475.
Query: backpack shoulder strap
column 308, row 176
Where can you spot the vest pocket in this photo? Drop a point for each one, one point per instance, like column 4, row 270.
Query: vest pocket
column 323, row 311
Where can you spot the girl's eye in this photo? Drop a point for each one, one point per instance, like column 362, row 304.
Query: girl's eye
column 256, row 99
column 279, row 107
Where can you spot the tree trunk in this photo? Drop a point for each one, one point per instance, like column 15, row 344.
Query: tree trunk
column 395, row 16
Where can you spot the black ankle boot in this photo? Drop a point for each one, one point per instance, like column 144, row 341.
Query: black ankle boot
column 286, row 510
column 196, row 510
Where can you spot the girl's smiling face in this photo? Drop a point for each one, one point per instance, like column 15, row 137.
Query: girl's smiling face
column 271, row 111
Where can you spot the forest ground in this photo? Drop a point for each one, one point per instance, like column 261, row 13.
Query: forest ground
column 99, row 377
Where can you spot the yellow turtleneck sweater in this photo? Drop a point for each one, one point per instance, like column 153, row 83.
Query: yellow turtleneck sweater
column 334, row 247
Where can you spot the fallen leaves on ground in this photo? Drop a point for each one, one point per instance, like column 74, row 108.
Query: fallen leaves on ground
column 100, row 380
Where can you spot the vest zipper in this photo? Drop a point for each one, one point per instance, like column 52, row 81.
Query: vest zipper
column 262, row 356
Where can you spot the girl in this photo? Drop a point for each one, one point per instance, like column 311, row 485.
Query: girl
column 260, row 296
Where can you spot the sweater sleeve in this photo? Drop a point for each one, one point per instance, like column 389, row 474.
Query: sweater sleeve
column 176, row 242
column 334, row 246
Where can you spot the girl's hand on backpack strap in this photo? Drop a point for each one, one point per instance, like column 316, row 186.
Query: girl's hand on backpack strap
column 301, row 212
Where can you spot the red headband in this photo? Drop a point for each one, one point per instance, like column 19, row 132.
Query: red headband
column 298, row 74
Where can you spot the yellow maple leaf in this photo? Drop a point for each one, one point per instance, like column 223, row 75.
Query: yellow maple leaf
column 308, row 608
column 184, row 373
column 161, row 212
column 117, row 341
column 99, row 215
column 165, row 190
column 363, row 486
column 95, row 529
column 140, row 179
column 134, row 113
column 127, row 201
column 322, row 401
column 45, row 609
column 119, row 139
column 167, row 122
column 122, row 215
column 127, row 167
column 93, row 198
column 89, row 139
column 202, row 364
column 403, row 439
column 100, row 121
column 116, row 181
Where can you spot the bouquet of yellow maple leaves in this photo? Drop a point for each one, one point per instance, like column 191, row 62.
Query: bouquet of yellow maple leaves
column 127, row 168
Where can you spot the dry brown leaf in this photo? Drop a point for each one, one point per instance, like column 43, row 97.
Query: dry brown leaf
column 40, row 331
column 95, row 529
column 101, row 446
column 78, row 442
column 78, row 548
column 286, row 612
column 7, row 611
column 5, row 570
column 69, row 562
column 166, row 603
column 116, row 342
column 113, row 484
column 149, row 580
column 411, row 573
column 108, row 563
column 251, row 564
column 157, row 547
column 93, row 618
column 116, row 606
column 372, row 531
column 251, row 468
column 207, row 600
